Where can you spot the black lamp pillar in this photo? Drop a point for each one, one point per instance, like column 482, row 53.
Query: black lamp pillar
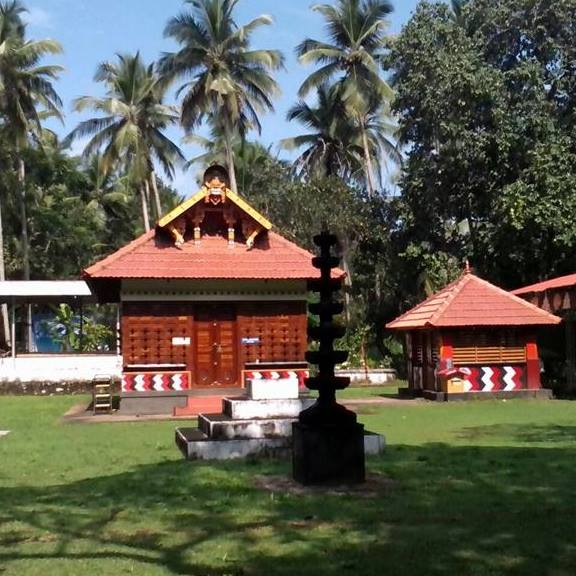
column 328, row 442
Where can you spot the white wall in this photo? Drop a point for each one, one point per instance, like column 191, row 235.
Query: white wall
column 59, row 367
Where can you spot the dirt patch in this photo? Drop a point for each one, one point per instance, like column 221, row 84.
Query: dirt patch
column 375, row 485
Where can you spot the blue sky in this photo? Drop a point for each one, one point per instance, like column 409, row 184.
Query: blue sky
column 93, row 31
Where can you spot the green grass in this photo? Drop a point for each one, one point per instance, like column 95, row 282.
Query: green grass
column 356, row 392
column 482, row 488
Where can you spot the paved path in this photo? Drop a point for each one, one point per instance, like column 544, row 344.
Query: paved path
column 81, row 414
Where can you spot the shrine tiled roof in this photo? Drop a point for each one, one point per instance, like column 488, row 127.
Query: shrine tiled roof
column 471, row 301
column 568, row 281
column 153, row 255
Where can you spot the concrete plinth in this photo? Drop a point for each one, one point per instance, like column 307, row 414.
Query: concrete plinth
column 222, row 427
column 265, row 389
column 245, row 408
column 197, row 446
column 328, row 454
column 536, row 394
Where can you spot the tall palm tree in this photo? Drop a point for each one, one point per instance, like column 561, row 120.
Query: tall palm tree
column 229, row 80
column 27, row 96
column 337, row 142
column 130, row 132
column 353, row 55
column 456, row 9
column 329, row 147
column 249, row 156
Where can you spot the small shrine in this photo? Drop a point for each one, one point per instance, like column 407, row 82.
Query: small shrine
column 473, row 338
column 210, row 296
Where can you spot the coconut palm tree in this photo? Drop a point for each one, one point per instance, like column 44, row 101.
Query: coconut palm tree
column 329, row 148
column 129, row 134
column 27, row 97
column 227, row 79
column 456, row 9
column 354, row 56
column 337, row 142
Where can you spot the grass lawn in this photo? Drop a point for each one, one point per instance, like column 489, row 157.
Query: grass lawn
column 482, row 488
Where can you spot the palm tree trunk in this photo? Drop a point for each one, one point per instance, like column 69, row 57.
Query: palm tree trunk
column 230, row 156
column 4, row 307
column 144, row 201
column 157, row 202
column 347, row 278
column 367, row 162
column 25, row 249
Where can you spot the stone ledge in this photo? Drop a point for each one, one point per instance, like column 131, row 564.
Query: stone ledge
column 540, row 394
column 195, row 445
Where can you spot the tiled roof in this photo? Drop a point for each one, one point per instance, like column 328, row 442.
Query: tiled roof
column 153, row 256
column 568, row 281
column 471, row 301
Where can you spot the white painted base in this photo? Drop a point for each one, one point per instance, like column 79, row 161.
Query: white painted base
column 268, row 389
column 59, row 367
column 197, row 446
column 282, row 408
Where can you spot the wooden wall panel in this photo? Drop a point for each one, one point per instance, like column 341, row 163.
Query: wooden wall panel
column 148, row 331
column 277, row 331
column 278, row 328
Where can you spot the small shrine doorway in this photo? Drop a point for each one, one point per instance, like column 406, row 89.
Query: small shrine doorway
column 216, row 350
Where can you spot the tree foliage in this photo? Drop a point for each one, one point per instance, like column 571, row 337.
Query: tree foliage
column 486, row 105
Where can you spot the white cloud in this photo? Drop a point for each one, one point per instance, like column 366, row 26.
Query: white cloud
column 38, row 17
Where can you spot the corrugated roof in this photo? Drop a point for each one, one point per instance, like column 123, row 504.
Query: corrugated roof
column 471, row 301
column 568, row 281
column 154, row 256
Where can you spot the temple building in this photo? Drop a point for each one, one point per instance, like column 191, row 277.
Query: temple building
column 558, row 296
column 208, row 296
column 473, row 338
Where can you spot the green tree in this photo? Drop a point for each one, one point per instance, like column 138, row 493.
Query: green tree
column 229, row 81
column 130, row 136
column 27, row 96
column 330, row 148
column 336, row 144
column 486, row 108
column 354, row 55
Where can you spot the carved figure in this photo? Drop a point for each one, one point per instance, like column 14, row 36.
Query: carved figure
column 216, row 183
column 178, row 230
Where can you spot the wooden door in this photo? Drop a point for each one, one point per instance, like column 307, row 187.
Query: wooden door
column 216, row 346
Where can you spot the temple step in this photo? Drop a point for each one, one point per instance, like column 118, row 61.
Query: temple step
column 245, row 408
column 196, row 405
column 222, row 427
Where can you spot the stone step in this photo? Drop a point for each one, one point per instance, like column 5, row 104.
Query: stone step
column 222, row 427
column 245, row 408
column 195, row 445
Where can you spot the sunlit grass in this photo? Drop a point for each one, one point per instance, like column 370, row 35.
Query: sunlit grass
column 481, row 488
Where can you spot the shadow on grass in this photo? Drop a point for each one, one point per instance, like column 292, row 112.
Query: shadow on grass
column 456, row 510
column 525, row 433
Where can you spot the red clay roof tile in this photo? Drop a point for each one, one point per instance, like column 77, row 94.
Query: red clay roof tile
column 152, row 256
column 471, row 301
column 568, row 281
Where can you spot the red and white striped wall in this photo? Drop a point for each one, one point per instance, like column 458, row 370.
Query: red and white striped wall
column 494, row 378
column 155, row 381
column 273, row 375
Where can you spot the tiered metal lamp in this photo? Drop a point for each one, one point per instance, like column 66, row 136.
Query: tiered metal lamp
column 328, row 442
